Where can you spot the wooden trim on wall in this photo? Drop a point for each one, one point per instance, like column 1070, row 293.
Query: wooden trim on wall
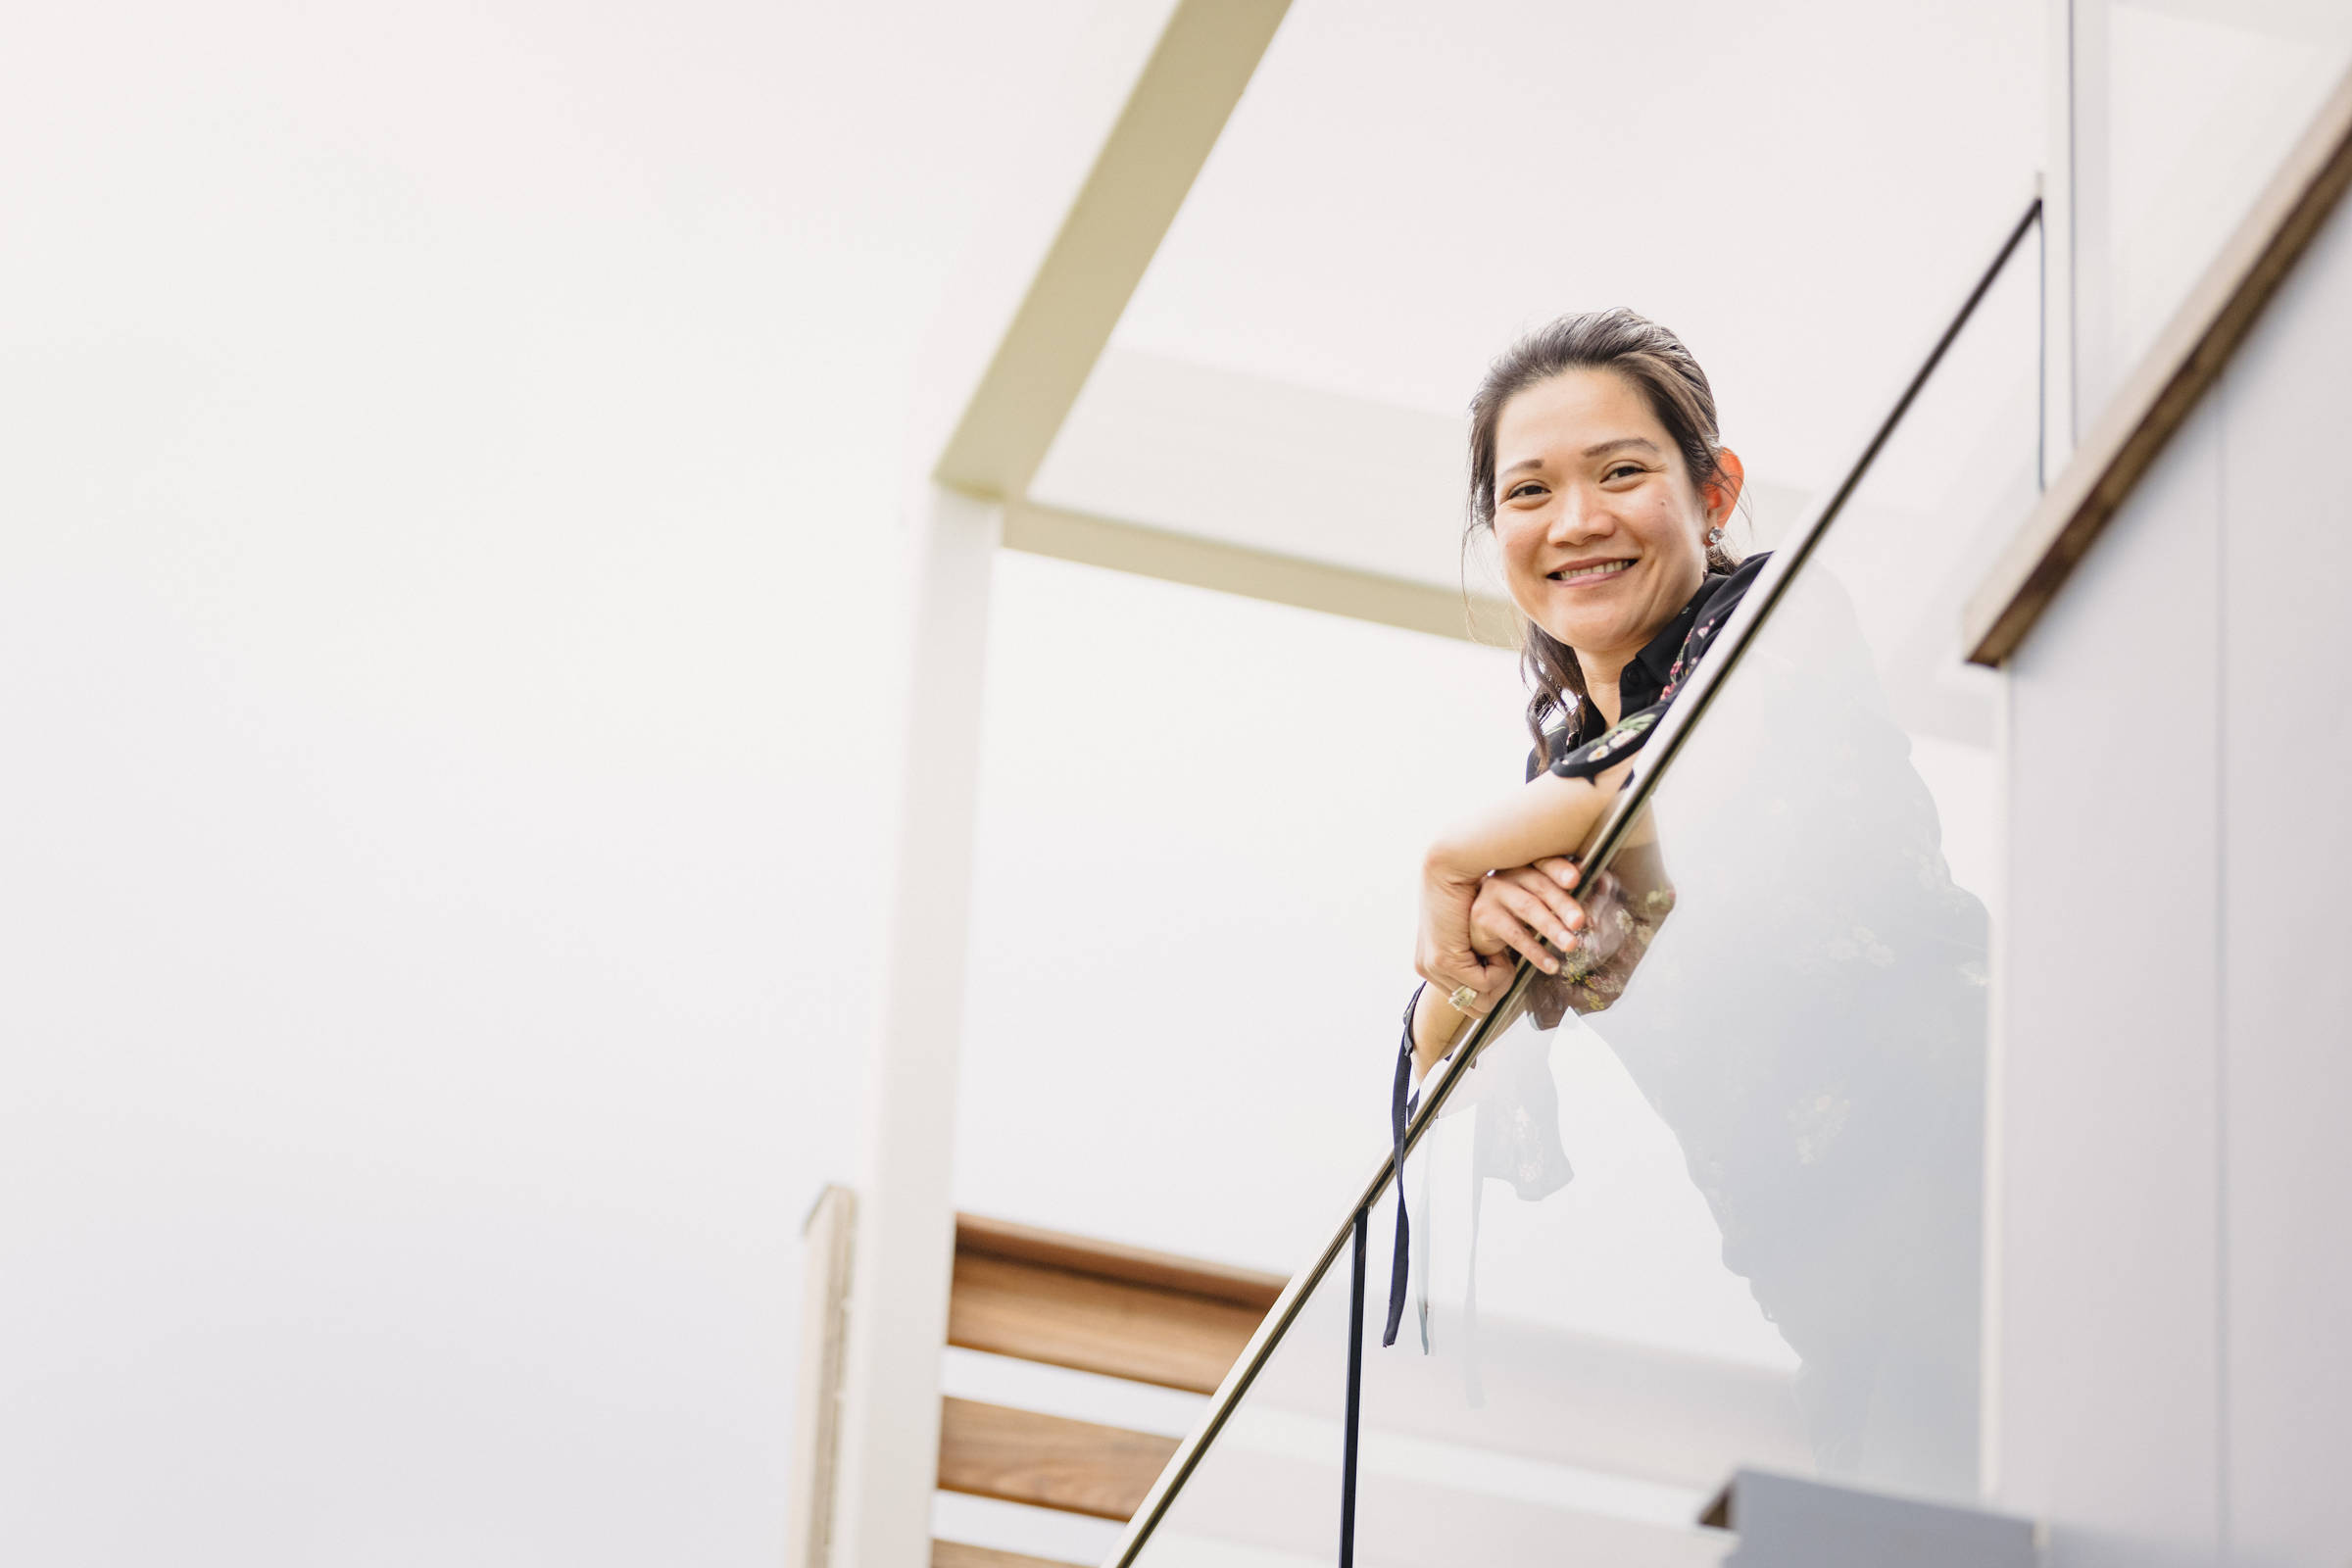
column 2188, row 359
column 1203, row 562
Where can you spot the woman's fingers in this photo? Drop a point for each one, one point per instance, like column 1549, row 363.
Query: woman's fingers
column 1509, row 912
column 1450, row 964
column 1527, row 911
column 1498, row 980
column 1551, row 897
column 1479, row 975
column 1507, row 931
column 1441, row 952
column 1483, row 940
column 1558, row 925
column 1561, row 870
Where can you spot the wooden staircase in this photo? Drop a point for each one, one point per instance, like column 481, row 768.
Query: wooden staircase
column 1094, row 1307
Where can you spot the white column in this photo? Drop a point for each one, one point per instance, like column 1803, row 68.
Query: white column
column 898, row 1309
column 2058, row 233
column 2090, row 227
column 2058, row 433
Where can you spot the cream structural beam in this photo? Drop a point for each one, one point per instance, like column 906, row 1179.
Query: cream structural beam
column 1201, row 562
column 1188, row 87
column 1146, row 95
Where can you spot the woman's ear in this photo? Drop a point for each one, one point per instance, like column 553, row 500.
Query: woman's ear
column 1722, row 493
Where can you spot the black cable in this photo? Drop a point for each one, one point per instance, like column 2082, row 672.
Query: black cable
column 1355, row 1392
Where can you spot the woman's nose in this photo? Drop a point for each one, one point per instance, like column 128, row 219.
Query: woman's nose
column 1581, row 516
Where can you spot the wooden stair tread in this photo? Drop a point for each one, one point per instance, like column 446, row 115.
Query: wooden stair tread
column 955, row 1554
column 1048, row 1461
column 1114, row 1327
column 979, row 1236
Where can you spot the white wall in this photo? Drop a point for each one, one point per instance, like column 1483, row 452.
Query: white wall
column 2172, row 1382
column 2285, row 1088
column 446, row 461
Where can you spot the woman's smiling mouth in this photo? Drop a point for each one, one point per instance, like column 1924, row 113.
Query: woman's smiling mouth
column 1590, row 572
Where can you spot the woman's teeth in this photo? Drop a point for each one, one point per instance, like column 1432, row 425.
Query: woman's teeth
column 1606, row 568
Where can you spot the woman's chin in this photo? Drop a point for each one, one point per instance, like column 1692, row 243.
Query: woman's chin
column 1624, row 616
column 1590, row 630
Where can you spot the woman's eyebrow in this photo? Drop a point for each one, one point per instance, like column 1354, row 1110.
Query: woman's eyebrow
column 1623, row 443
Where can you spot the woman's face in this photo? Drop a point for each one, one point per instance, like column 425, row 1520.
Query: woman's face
column 1602, row 531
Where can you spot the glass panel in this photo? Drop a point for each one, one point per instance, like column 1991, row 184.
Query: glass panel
column 1266, row 1495
column 1537, row 1409
column 1734, row 1217
column 1724, row 1208
column 2183, row 110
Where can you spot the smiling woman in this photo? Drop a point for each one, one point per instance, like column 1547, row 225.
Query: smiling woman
column 1811, row 1027
column 1596, row 462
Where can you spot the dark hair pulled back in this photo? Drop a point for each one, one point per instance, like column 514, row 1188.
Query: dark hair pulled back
column 1657, row 363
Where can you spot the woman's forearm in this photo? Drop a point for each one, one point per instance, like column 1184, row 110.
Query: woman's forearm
column 1437, row 1025
column 1550, row 816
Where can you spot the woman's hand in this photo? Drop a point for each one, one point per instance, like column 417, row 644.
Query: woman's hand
column 1624, row 908
column 1534, row 826
column 1525, row 907
column 1446, row 959
column 1443, row 953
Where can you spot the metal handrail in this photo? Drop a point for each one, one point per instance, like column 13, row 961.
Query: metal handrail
column 1600, row 848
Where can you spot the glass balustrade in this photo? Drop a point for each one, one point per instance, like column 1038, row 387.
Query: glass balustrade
column 1720, row 1204
column 1264, row 1492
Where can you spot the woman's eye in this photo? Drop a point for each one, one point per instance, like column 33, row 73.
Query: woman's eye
column 1528, row 488
column 1621, row 471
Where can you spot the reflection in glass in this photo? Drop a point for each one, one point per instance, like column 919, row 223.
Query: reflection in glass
column 1577, row 1367
column 1266, row 1493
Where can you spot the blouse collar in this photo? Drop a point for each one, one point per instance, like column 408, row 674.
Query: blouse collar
column 1646, row 676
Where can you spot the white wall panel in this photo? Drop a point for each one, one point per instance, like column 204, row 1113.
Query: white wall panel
column 2287, row 989
column 2104, row 1315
